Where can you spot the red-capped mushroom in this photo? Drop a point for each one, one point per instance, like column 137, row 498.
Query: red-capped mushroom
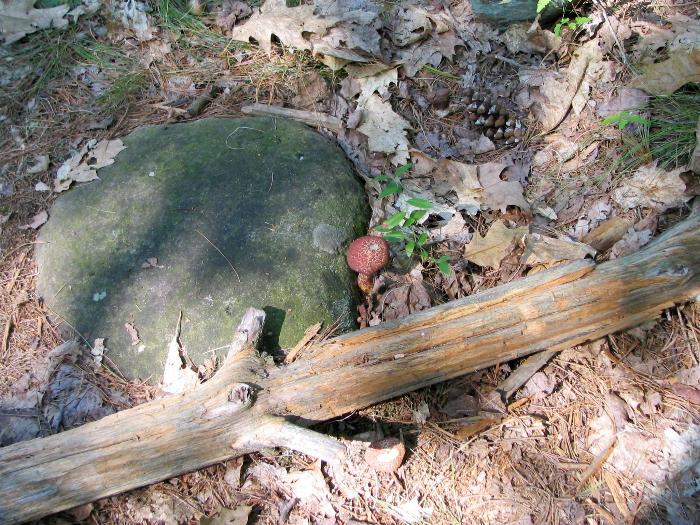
column 385, row 455
column 367, row 255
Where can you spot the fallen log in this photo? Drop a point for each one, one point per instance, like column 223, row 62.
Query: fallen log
column 249, row 405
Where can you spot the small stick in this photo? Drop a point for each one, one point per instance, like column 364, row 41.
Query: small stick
column 170, row 109
column 597, row 463
column 523, row 373
column 16, row 273
column 222, row 254
column 6, row 334
column 202, row 101
column 511, row 62
column 308, row 117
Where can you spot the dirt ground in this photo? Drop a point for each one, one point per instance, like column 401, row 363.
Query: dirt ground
column 608, row 432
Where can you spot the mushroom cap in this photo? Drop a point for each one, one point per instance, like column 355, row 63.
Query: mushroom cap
column 385, row 455
column 368, row 254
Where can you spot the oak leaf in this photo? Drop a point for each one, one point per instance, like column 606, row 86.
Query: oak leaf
column 489, row 250
column 499, row 194
column 291, row 25
column 385, row 130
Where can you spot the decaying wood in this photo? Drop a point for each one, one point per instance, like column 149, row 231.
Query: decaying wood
column 312, row 118
column 248, row 405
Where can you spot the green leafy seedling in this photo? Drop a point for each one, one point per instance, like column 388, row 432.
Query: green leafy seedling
column 623, row 118
column 394, row 181
column 401, row 226
column 571, row 24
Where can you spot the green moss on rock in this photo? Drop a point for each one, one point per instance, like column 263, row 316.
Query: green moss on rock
column 254, row 188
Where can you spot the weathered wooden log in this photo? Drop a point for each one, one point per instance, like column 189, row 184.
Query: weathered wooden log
column 248, row 405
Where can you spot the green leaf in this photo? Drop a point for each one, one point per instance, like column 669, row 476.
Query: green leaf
column 410, row 247
column 395, row 220
column 391, row 188
column 541, row 4
column 580, row 20
column 382, row 178
column 443, row 265
column 611, row 119
column 382, row 229
column 638, row 120
column 395, row 236
column 420, row 203
column 623, row 118
column 423, row 237
column 402, row 169
column 424, row 254
column 417, row 215
column 409, row 222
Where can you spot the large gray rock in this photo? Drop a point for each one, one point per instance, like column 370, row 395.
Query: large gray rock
column 505, row 12
column 279, row 201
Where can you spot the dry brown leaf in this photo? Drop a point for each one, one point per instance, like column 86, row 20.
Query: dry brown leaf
column 356, row 38
column 499, row 194
column 152, row 262
column 378, row 83
column 428, row 52
column 683, row 33
column 38, row 220
column 499, row 241
column 664, row 78
column 83, row 166
column 239, row 515
column 406, row 296
column 450, row 175
column 475, row 144
column 19, row 18
column 384, row 129
column 408, row 25
column 289, row 24
column 518, row 39
column 554, row 93
column 311, row 90
column 630, row 243
column 475, row 425
column 231, row 12
column 549, row 251
column 626, row 99
column 652, row 187
column 133, row 333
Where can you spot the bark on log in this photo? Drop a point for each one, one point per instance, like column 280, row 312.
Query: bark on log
column 248, row 405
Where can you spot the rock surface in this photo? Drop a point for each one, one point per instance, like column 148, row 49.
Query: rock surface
column 183, row 205
column 505, row 12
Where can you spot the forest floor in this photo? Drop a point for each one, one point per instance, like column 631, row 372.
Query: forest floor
column 528, row 147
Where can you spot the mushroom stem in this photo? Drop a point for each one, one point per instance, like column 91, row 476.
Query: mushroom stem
column 365, row 283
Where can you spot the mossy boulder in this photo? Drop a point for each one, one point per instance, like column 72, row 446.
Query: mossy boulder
column 164, row 227
column 505, row 12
